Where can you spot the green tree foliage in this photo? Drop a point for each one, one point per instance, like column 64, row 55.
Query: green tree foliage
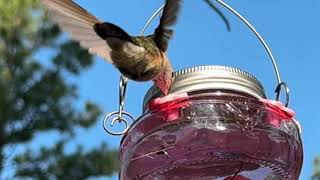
column 79, row 165
column 316, row 169
column 36, row 98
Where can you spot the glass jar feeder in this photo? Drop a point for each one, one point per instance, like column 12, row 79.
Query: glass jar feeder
column 215, row 125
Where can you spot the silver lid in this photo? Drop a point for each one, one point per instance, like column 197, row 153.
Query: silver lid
column 211, row 78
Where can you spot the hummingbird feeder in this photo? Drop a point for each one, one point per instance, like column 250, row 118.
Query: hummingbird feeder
column 216, row 123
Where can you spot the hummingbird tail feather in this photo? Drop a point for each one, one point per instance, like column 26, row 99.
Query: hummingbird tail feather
column 109, row 30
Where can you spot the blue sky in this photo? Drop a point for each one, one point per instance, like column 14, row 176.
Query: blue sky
column 291, row 28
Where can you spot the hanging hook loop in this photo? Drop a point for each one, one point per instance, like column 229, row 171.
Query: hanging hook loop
column 278, row 92
column 109, row 121
column 121, row 116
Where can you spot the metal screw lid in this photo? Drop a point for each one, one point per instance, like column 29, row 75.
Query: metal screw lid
column 210, row 78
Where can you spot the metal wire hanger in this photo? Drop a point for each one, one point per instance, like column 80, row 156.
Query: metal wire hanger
column 265, row 45
column 110, row 120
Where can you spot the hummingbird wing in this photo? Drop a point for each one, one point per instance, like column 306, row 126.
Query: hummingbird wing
column 169, row 17
column 79, row 24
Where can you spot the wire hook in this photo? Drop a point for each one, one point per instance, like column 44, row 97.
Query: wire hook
column 278, row 91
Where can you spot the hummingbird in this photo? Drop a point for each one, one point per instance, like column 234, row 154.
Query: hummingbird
column 139, row 58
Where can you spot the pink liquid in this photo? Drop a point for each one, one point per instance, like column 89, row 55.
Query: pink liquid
column 224, row 137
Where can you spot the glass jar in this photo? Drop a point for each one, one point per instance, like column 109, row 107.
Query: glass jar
column 213, row 126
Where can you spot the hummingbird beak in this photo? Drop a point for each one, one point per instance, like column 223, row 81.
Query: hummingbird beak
column 164, row 81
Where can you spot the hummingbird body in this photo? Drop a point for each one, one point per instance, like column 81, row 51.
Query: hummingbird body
column 140, row 58
column 139, row 63
column 144, row 63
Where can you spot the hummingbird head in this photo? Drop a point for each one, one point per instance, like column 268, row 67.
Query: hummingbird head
column 165, row 79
